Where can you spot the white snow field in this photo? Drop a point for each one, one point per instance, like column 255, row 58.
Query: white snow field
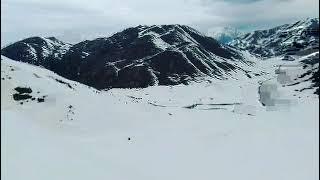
column 203, row 131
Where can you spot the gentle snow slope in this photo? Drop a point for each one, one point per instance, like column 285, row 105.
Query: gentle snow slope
column 209, row 140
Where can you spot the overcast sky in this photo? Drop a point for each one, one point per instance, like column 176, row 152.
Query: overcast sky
column 76, row 20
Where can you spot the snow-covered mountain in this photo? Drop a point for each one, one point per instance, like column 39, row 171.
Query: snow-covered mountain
column 225, row 34
column 301, row 37
column 136, row 57
column 245, row 110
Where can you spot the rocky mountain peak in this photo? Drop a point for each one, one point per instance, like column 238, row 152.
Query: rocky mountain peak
column 135, row 57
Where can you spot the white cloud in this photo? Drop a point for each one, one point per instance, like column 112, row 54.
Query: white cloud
column 75, row 20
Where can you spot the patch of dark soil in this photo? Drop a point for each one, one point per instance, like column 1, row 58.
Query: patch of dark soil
column 36, row 75
column 293, row 84
column 224, row 104
column 217, row 104
column 19, row 97
column 40, row 100
column 317, row 91
column 305, row 89
column 192, row 106
column 22, row 90
column 214, row 109
column 134, row 97
column 156, row 104
column 62, row 82
column 305, row 74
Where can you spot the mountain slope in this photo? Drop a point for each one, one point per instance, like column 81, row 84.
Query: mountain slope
column 137, row 57
column 299, row 37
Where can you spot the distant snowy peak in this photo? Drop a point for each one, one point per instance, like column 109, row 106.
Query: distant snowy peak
column 225, row 34
column 288, row 38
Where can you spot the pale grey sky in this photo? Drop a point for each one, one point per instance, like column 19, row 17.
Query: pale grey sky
column 76, row 20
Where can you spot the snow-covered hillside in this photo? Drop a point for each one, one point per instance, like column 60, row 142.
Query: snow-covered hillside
column 256, row 128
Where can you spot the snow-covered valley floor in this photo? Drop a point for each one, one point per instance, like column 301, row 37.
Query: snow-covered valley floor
column 203, row 131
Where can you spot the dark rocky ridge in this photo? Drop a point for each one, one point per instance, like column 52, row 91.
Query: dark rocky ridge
column 136, row 57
